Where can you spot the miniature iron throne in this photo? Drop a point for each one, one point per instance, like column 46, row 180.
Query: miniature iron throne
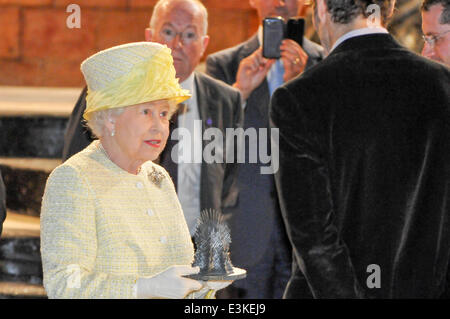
column 212, row 238
column 212, row 256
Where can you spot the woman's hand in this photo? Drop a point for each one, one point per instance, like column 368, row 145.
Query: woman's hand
column 169, row 284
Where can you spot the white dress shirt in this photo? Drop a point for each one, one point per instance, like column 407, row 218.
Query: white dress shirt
column 190, row 157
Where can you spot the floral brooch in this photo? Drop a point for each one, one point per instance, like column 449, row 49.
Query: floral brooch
column 156, row 177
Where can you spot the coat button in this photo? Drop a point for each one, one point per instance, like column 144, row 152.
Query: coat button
column 139, row 185
column 163, row 239
column 149, row 212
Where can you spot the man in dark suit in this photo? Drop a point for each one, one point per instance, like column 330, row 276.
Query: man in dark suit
column 182, row 26
column 2, row 203
column 365, row 162
column 259, row 243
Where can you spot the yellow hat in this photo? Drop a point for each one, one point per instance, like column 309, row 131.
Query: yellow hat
column 130, row 74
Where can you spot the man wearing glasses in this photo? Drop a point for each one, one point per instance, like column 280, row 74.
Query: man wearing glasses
column 182, row 26
column 436, row 30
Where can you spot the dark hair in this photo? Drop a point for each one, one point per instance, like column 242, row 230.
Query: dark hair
column 344, row 11
column 445, row 15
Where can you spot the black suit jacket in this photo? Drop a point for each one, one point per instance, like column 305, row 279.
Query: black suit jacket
column 253, row 220
column 364, row 172
column 219, row 106
column 77, row 135
column 2, row 203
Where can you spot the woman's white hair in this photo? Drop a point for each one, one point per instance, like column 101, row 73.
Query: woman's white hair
column 97, row 122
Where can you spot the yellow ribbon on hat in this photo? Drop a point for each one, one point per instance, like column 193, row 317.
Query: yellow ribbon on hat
column 150, row 80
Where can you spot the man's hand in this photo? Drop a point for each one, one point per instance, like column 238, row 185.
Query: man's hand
column 294, row 59
column 252, row 71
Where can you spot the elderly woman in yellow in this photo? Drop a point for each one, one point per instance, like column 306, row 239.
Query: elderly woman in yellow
column 111, row 223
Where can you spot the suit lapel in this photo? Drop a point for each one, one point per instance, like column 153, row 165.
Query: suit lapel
column 205, row 102
column 250, row 46
column 208, row 116
column 201, row 97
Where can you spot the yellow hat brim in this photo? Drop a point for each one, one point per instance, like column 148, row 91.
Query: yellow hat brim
column 150, row 80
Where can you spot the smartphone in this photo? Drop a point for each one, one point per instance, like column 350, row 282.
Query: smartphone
column 273, row 35
column 295, row 29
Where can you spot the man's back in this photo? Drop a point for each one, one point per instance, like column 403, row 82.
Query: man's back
column 374, row 122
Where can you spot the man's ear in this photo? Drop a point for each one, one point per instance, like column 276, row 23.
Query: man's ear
column 321, row 9
column 205, row 43
column 148, row 34
column 391, row 8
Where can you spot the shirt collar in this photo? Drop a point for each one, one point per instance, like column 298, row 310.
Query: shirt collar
column 188, row 84
column 357, row 33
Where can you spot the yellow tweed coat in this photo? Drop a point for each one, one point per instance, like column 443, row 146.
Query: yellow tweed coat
column 102, row 228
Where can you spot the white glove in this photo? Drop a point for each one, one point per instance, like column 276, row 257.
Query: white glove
column 169, row 284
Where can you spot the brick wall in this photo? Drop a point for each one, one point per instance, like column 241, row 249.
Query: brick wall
column 38, row 49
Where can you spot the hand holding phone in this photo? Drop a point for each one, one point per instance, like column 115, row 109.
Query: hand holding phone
column 252, row 71
column 294, row 59
column 275, row 30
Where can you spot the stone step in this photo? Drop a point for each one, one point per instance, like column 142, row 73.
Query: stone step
column 13, row 290
column 25, row 180
column 21, row 271
column 32, row 136
column 24, row 249
column 37, row 101
column 20, row 258
column 33, row 120
column 21, row 226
